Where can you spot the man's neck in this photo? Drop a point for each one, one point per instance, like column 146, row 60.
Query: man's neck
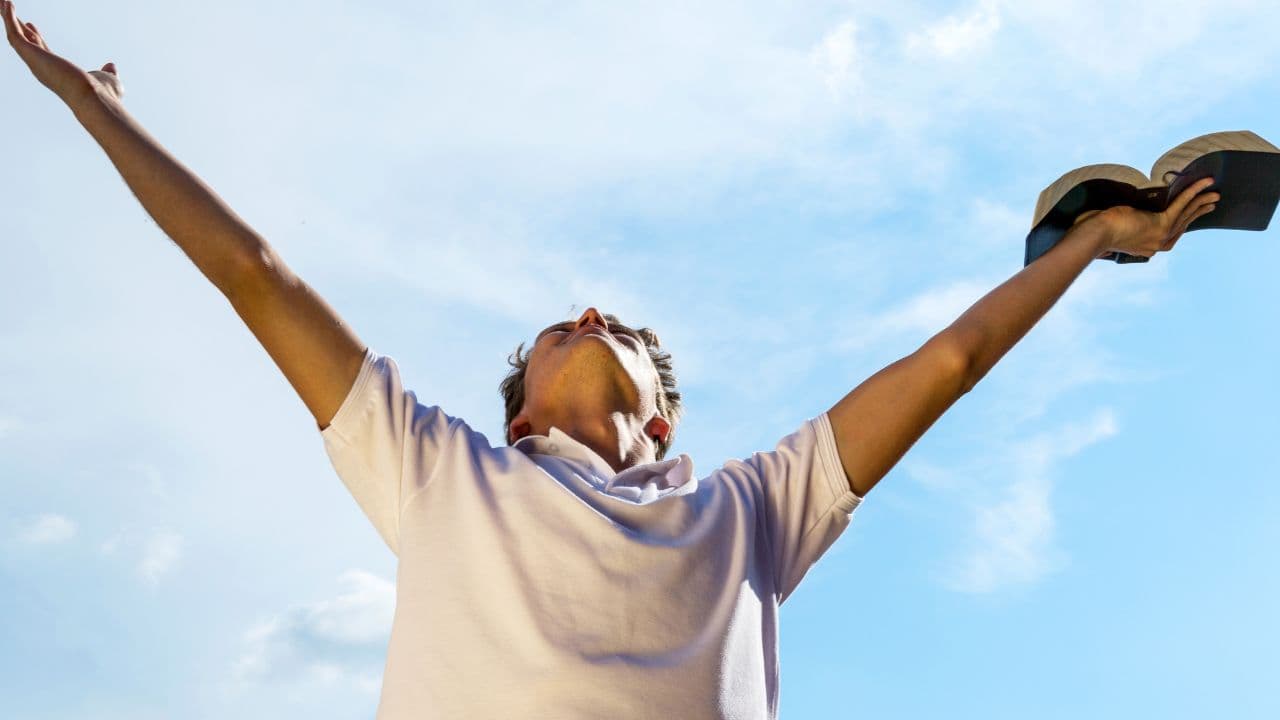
column 602, row 436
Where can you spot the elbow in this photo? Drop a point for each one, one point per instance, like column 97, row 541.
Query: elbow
column 959, row 358
column 966, row 374
column 250, row 270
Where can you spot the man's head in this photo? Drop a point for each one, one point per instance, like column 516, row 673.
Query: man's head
column 593, row 368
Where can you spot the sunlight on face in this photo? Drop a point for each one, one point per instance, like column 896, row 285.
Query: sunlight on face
column 592, row 357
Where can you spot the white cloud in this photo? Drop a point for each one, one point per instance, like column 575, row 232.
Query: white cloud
column 1062, row 352
column 835, row 57
column 342, row 639
column 919, row 316
column 997, row 222
column 111, row 544
column 8, row 425
column 48, row 529
column 1126, row 38
column 1013, row 525
column 151, row 475
column 957, row 34
column 1013, row 535
column 160, row 554
column 1066, row 351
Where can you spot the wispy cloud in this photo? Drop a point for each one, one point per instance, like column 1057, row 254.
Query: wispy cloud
column 1013, row 535
column 958, row 34
column 9, row 424
column 995, row 221
column 918, row 316
column 112, row 544
column 835, row 58
column 343, row 638
column 1013, row 519
column 151, row 475
column 47, row 529
column 160, row 554
column 1113, row 27
column 1067, row 350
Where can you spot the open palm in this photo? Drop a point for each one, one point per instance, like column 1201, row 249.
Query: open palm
column 55, row 72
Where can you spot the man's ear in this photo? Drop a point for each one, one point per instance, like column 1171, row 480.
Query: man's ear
column 657, row 428
column 520, row 426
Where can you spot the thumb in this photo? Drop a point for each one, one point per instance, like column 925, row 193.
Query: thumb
column 1085, row 216
column 108, row 77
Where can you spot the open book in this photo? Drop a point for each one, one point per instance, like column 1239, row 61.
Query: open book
column 1245, row 169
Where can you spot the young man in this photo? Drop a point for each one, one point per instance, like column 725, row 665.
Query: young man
column 577, row 572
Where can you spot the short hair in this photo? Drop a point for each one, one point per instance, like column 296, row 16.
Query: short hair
column 669, row 404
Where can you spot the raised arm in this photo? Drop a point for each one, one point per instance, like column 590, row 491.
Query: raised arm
column 319, row 355
column 876, row 423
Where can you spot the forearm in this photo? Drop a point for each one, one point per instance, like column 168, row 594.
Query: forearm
column 220, row 244
column 1003, row 316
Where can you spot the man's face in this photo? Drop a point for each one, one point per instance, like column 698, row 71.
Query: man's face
column 591, row 362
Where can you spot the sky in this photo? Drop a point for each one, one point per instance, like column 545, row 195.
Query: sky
column 793, row 195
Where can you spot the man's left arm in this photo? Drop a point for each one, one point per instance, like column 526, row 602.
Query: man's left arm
column 876, row 423
column 882, row 418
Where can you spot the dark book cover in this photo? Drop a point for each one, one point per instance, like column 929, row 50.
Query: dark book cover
column 1247, row 180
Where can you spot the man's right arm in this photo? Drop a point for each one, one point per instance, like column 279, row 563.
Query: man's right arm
column 317, row 352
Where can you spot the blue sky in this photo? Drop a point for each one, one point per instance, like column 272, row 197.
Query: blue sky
column 793, row 196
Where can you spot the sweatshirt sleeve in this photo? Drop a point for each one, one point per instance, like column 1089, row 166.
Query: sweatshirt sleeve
column 806, row 499
column 384, row 444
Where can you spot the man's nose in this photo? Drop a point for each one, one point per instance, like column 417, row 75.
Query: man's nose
column 591, row 317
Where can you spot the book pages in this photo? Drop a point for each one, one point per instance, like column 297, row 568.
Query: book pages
column 1050, row 196
column 1181, row 156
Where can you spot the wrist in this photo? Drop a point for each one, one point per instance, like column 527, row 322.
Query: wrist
column 85, row 100
column 80, row 102
column 1097, row 235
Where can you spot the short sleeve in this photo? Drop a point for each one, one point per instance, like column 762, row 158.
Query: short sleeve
column 806, row 499
column 384, row 444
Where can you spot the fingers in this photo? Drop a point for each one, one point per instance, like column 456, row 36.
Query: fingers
column 1181, row 228
column 33, row 34
column 1205, row 210
column 16, row 30
column 12, row 27
column 1201, row 209
column 10, row 20
column 1184, row 198
column 1201, row 205
column 1189, row 205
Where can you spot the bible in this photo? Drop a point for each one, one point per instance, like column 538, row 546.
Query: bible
column 1245, row 171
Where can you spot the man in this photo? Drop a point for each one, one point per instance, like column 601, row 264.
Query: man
column 577, row 572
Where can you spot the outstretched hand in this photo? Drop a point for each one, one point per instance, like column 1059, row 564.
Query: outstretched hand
column 60, row 75
column 1141, row 232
